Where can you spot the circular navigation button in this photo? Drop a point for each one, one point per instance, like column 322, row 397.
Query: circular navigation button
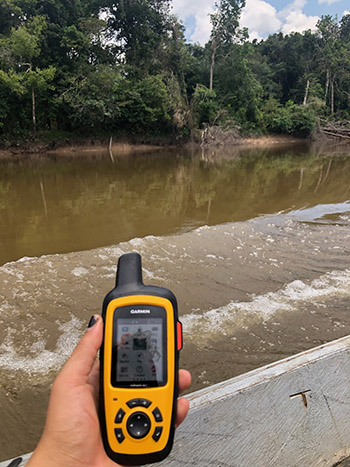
column 138, row 425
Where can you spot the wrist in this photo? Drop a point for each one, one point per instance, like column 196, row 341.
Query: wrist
column 49, row 456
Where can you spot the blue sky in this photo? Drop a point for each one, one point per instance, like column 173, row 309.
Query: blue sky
column 262, row 17
column 314, row 7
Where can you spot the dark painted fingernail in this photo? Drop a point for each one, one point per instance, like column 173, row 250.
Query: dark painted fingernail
column 15, row 462
column 93, row 321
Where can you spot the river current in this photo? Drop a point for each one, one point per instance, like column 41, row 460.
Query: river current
column 255, row 245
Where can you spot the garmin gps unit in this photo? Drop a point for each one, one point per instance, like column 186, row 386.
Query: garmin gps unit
column 138, row 367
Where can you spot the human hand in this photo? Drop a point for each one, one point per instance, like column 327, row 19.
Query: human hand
column 71, row 436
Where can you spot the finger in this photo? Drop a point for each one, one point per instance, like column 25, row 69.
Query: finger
column 184, row 380
column 79, row 366
column 183, row 406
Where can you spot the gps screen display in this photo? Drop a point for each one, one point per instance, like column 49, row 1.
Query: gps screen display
column 139, row 348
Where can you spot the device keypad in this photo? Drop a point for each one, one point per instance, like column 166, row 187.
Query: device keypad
column 157, row 432
column 119, row 417
column 138, row 424
column 138, row 403
column 119, row 435
column 157, row 415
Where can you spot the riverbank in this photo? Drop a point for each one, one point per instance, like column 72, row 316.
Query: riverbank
column 70, row 149
column 269, row 140
column 98, row 148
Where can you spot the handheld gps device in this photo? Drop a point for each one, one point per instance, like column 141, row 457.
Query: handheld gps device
column 138, row 367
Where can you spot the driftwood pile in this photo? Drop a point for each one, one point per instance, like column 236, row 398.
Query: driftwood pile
column 339, row 130
column 216, row 136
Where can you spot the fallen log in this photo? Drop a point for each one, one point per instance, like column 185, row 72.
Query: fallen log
column 339, row 130
column 336, row 135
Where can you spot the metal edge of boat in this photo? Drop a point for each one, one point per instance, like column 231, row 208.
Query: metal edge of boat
column 294, row 412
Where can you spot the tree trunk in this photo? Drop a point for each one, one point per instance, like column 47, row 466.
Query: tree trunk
column 33, row 109
column 212, row 64
column 33, row 103
column 327, row 87
column 306, row 92
column 332, row 96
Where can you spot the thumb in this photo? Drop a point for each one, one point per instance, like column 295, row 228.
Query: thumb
column 79, row 365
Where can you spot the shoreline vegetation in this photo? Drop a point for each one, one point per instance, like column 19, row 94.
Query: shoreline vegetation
column 91, row 69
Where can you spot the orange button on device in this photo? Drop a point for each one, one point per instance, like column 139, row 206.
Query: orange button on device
column 179, row 335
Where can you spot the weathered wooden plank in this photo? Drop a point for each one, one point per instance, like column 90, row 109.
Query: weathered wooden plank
column 252, row 420
column 295, row 412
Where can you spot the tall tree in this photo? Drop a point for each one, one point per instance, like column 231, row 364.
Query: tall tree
column 345, row 28
column 225, row 29
column 329, row 53
column 25, row 45
column 138, row 29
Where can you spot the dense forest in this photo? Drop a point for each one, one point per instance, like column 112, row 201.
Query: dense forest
column 118, row 67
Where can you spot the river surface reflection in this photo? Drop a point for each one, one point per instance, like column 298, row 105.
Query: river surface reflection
column 59, row 205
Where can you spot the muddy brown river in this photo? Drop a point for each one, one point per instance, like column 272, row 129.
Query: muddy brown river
column 254, row 243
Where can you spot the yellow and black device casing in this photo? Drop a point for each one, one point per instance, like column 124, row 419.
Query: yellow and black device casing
column 122, row 404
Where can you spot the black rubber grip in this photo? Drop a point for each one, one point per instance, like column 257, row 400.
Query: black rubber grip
column 129, row 272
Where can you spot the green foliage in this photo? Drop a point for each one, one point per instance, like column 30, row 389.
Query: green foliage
column 143, row 104
column 24, row 41
column 11, row 82
column 225, row 21
column 65, row 69
column 11, row 88
column 289, row 118
column 10, row 12
column 225, row 30
column 237, row 87
column 205, row 105
column 141, row 30
column 24, row 44
column 106, row 101
column 289, row 58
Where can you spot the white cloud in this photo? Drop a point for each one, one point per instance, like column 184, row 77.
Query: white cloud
column 294, row 20
column 202, row 30
column 260, row 18
column 329, row 2
column 185, row 9
column 296, row 5
column 297, row 21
